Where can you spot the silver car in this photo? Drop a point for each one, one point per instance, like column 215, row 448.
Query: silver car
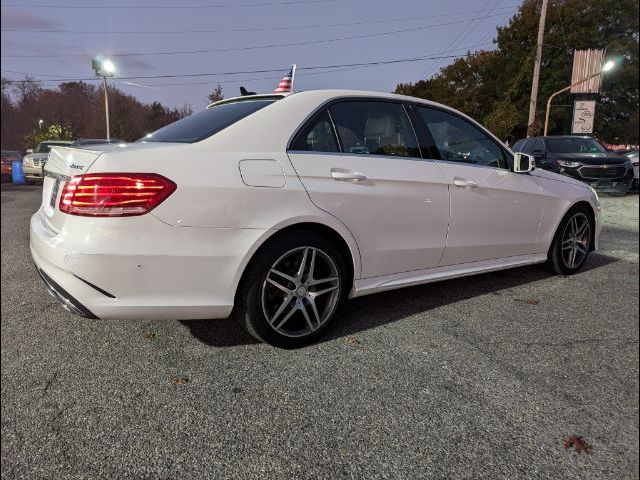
column 35, row 159
column 633, row 156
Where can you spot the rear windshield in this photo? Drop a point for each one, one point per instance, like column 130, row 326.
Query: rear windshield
column 574, row 145
column 45, row 147
column 208, row 122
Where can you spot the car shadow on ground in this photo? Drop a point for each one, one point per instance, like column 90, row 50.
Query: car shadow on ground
column 373, row 311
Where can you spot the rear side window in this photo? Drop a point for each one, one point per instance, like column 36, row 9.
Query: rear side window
column 208, row 122
column 317, row 136
column 374, row 128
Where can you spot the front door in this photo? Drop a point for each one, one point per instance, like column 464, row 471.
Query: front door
column 359, row 160
column 495, row 213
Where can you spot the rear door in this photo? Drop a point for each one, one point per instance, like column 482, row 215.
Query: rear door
column 359, row 160
column 495, row 213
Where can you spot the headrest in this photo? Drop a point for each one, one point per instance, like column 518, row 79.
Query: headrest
column 379, row 125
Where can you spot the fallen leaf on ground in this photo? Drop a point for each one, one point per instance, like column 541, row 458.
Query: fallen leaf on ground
column 578, row 443
column 149, row 335
column 180, row 381
column 352, row 342
column 528, row 301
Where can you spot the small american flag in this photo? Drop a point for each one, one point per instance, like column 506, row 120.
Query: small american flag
column 286, row 84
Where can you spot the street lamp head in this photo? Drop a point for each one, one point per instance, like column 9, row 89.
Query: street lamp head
column 608, row 65
column 103, row 66
column 108, row 67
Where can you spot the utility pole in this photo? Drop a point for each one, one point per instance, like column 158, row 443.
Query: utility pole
column 536, row 69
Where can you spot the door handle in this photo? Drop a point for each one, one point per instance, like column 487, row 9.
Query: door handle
column 347, row 176
column 464, row 183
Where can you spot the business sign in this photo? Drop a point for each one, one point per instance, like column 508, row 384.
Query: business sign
column 586, row 66
column 584, row 112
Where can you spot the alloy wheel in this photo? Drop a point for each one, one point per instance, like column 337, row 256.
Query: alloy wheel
column 575, row 240
column 300, row 292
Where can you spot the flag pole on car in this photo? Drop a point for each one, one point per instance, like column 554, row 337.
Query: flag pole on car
column 286, row 84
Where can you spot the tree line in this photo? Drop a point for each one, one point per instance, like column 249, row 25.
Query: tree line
column 31, row 113
column 494, row 86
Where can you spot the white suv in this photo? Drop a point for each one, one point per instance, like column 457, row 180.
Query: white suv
column 35, row 159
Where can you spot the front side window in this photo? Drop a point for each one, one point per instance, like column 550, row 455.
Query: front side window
column 374, row 128
column 208, row 122
column 317, row 136
column 458, row 140
column 574, row 145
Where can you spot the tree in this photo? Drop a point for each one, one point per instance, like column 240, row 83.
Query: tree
column 51, row 132
column 75, row 110
column 484, row 83
column 216, row 94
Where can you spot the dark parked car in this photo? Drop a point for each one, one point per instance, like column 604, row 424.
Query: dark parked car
column 581, row 157
column 8, row 157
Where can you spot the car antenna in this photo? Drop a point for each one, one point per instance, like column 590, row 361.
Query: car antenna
column 244, row 92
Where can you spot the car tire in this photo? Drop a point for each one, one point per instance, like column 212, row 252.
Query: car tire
column 288, row 306
column 572, row 242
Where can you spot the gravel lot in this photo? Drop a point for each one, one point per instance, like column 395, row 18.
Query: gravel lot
column 475, row 378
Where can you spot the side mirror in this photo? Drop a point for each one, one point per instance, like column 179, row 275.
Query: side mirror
column 29, row 150
column 523, row 163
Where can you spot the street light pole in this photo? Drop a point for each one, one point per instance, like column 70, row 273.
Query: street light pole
column 608, row 66
column 104, row 68
column 106, row 105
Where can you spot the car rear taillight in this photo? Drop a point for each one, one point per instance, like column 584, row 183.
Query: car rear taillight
column 114, row 194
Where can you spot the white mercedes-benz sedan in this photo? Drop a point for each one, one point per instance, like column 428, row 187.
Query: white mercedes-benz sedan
column 283, row 206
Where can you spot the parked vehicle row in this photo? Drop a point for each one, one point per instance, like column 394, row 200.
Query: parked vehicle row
column 583, row 158
column 34, row 160
column 283, row 206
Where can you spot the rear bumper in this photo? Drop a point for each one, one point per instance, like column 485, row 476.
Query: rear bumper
column 141, row 268
column 68, row 302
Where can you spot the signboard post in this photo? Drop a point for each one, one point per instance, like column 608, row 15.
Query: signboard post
column 583, row 115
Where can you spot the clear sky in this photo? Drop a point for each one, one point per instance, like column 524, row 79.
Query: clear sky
column 55, row 39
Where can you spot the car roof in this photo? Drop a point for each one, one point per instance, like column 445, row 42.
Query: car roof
column 328, row 94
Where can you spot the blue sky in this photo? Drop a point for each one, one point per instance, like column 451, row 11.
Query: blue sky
column 427, row 28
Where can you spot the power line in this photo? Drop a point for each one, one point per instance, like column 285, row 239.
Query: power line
column 251, row 29
column 220, row 74
column 256, row 47
column 166, row 7
column 459, row 38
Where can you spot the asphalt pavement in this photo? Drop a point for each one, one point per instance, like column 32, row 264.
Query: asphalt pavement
column 482, row 377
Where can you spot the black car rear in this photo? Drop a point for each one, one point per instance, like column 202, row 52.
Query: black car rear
column 583, row 158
